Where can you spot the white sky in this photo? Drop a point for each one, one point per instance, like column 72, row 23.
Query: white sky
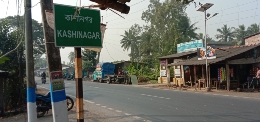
column 231, row 12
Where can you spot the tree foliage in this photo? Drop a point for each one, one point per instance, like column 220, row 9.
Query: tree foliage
column 10, row 36
column 89, row 60
column 167, row 25
column 236, row 35
column 38, row 37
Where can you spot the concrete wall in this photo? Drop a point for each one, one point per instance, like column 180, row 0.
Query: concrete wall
column 253, row 39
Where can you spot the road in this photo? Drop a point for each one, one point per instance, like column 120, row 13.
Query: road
column 158, row 105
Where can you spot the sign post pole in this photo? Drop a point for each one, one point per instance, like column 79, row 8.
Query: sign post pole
column 77, row 28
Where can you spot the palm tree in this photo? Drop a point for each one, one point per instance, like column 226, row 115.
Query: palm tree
column 226, row 34
column 131, row 41
column 240, row 34
column 200, row 36
column 253, row 29
column 187, row 29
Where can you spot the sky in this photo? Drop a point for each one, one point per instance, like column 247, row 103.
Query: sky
column 230, row 12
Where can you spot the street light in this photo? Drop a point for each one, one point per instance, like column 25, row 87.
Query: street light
column 204, row 8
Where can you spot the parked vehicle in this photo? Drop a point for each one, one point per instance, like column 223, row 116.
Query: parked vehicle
column 43, row 103
column 43, row 75
column 71, row 76
column 105, row 72
column 43, row 80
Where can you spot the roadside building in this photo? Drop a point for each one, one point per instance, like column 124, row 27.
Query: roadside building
column 234, row 67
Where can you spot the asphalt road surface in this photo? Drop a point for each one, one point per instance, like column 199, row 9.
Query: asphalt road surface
column 158, row 105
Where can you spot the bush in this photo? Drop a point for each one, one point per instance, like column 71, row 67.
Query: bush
column 142, row 79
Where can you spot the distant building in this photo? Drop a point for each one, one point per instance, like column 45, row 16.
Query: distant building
column 252, row 39
column 220, row 44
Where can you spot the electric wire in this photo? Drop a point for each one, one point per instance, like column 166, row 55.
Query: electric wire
column 130, row 6
column 117, row 49
column 7, row 8
column 135, row 19
column 109, row 53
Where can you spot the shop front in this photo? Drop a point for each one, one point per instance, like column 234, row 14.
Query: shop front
column 232, row 69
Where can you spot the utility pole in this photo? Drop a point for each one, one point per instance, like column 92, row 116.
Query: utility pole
column 57, row 90
column 31, row 97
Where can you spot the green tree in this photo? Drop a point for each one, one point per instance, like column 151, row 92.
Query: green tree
column 202, row 37
column 240, row 34
column 169, row 25
column 89, row 60
column 10, row 37
column 226, row 34
column 253, row 29
column 38, row 37
column 71, row 57
column 130, row 40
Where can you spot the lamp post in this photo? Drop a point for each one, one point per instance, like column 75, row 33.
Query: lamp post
column 204, row 8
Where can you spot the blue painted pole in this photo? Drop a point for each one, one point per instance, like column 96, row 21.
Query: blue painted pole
column 31, row 97
column 57, row 89
column 59, row 104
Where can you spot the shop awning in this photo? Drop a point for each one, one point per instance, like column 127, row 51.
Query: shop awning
column 222, row 54
column 177, row 55
column 245, row 61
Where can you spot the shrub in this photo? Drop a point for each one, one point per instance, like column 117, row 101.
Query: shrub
column 142, row 79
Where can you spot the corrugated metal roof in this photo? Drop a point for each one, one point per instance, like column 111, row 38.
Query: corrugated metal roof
column 178, row 54
column 221, row 54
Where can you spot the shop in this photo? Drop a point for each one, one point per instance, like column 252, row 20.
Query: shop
column 231, row 69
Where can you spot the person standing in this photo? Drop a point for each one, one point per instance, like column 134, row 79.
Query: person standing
column 258, row 76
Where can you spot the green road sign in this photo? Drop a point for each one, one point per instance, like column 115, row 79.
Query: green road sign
column 76, row 29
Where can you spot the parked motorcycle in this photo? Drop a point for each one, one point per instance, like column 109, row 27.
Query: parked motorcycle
column 43, row 103
column 43, row 80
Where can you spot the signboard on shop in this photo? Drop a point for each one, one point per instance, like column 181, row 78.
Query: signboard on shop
column 189, row 46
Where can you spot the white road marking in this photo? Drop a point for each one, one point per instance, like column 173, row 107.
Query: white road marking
column 110, row 108
column 149, row 95
column 118, row 111
column 155, row 96
column 127, row 114
column 89, row 101
column 167, row 98
column 246, row 97
column 136, row 117
column 103, row 106
column 98, row 104
column 143, row 94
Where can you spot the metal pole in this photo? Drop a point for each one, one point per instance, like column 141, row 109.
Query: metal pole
column 31, row 97
column 79, row 87
column 206, row 49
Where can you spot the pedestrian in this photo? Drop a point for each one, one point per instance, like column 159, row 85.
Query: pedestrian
column 258, row 76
